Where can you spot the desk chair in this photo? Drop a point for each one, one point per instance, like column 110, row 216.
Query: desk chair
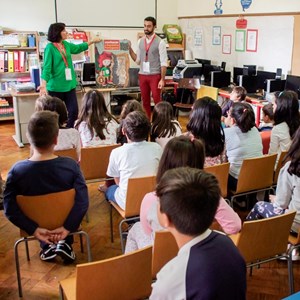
column 256, row 175
column 221, row 172
column 48, row 211
column 208, row 91
column 185, row 95
column 136, row 190
column 123, row 277
column 165, row 248
column 72, row 153
column 94, row 162
column 265, row 240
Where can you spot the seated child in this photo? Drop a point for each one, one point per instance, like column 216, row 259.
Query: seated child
column 237, row 94
column 208, row 264
column 68, row 138
column 128, row 107
column 164, row 126
column 267, row 117
column 45, row 173
column 136, row 158
column 96, row 125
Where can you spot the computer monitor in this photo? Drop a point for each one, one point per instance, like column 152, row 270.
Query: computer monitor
column 236, row 72
column 220, row 79
column 206, row 71
column 293, row 83
column 89, row 74
column 203, row 61
column 274, row 85
column 249, row 70
column 262, row 77
column 174, row 56
column 248, row 82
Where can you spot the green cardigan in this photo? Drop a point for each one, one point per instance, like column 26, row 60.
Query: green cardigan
column 54, row 67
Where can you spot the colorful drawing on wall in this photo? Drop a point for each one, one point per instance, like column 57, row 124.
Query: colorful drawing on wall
column 112, row 63
column 246, row 4
column 218, row 5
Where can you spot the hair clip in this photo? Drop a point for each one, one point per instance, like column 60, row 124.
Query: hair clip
column 245, row 109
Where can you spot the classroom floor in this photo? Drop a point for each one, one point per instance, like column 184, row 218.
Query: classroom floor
column 40, row 279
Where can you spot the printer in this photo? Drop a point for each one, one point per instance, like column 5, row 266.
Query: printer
column 186, row 69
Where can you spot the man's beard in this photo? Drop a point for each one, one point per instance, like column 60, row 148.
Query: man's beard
column 147, row 32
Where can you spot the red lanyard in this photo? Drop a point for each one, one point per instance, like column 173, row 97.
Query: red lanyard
column 62, row 50
column 147, row 46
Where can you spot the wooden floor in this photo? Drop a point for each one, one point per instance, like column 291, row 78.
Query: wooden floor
column 40, row 279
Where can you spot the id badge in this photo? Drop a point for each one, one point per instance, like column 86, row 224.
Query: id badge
column 146, row 67
column 68, row 74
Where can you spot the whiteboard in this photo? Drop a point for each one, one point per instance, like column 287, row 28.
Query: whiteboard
column 100, row 13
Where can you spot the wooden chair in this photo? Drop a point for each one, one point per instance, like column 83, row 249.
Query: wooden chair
column 256, row 175
column 165, row 248
column 208, row 91
column 48, row 211
column 265, row 240
column 278, row 167
column 221, row 172
column 124, row 277
column 72, row 153
column 94, row 162
column 137, row 189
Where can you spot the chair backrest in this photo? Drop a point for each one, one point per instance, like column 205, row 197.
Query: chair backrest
column 256, row 173
column 124, row 277
column 221, row 172
column 48, row 211
column 164, row 249
column 265, row 137
column 208, row 91
column 279, row 165
column 72, row 153
column 264, row 238
column 136, row 190
column 94, row 161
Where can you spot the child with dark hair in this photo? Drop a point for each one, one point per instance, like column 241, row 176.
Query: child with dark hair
column 208, row 264
column 238, row 94
column 45, row 173
column 267, row 118
column 68, row 138
column 286, row 121
column 95, row 123
column 242, row 139
column 164, row 126
column 181, row 151
column 128, row 107
column 136, row 158
column 288, row 189
column 205, row 124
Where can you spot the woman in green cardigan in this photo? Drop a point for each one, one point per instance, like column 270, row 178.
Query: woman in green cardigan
column 58, row 76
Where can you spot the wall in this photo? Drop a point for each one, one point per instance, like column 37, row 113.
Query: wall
column 204, row 7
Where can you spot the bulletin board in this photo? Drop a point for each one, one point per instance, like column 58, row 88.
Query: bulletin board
column 102, row 13
column 272, row 49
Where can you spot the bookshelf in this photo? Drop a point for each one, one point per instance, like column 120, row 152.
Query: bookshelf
column 18, row 51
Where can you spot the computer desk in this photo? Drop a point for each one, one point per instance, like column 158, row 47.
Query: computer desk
column 259, row 104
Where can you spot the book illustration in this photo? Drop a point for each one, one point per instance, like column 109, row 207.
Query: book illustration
column 112, row 63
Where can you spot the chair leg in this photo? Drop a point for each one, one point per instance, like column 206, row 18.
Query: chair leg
column 290, row 269
column 87, row 218
column 88, row 242
column 18, row 265
column 81, row 243
column 111, row 225
column 121, row 235
column 27, row 249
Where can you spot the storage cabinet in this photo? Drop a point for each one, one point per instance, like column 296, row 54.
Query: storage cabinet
column 18, row 52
